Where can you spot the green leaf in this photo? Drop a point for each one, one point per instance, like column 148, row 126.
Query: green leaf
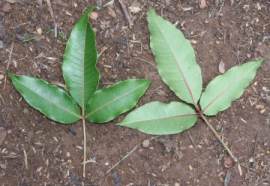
column 224, row 89
column 175, row 59
column 160, row 119
column 108, row 103
column 50, row 100
column 80, row 58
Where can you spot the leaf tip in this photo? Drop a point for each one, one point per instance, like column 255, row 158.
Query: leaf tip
column 257, row 63
column 86, row 13
column 119, row 124
column 123, row 124
column 88, row 10
column 260, row 61
column 151, row 12
column 147, row 82
column 9, row 74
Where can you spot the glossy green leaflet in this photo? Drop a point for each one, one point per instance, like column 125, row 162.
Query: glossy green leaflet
column 176, row 64
column 81, row 100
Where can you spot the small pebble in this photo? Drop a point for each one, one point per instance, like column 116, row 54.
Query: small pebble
column 94, row 16
column 3, row 166
column 268, row 120
column 227, row 162
column 135, row 7
column 146, row 143
column 6, row 8
column 259, row 107
column 39, row 31
column 251, row 162
column 193, row 41
column 262, row 111
column 1, row 44
column 203, row 4
column 25, row 111
column 11, row 1
column 1, row 76
column 221, row 67
column 265, row 89
column 111, row 12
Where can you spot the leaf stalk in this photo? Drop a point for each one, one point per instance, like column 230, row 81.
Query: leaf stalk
column 84, row 145
column 235, row 159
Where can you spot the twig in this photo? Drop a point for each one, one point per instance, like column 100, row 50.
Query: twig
column 138, row 42
column 239, row 169
column 126, row 14
column 90, row 161
column 50, row 8
column 99, row 4
column 52, row 15
column 191, row 140
column 255, row 144
column 103, row 49
column 8, row 63
column 110, row 3
column 219, row 138
column 227, row 178
column 25, row 159
column 2, row 99
column 122, row 159
column 127, row 155
column 222, row 142
column 145, row 61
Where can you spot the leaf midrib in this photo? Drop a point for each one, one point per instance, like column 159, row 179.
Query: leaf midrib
column 68, row 111
column 113, row 100
column 178, row 66
column 83, row 71
column 158, row 119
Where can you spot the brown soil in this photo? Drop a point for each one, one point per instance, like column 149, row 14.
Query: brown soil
column 36, row 151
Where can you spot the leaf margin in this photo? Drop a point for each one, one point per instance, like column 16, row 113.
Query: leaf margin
column 123, row 124
column 194, row 100
column 13, row 77
column 145, row 85
column 210, row 85
column 66, row 77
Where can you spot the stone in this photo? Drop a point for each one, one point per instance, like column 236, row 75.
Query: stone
column 1, row 44
column 2, row 77
column 146, row 143
column 6, row 8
